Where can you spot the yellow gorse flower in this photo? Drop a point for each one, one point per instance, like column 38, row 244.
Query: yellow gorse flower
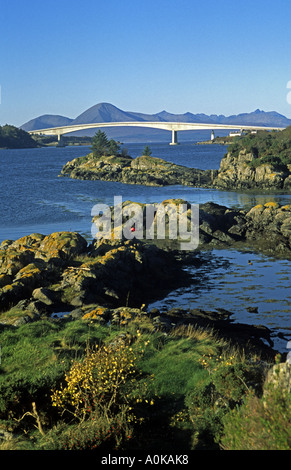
column 96, row 381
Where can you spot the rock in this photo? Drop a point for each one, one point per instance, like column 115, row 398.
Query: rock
column 60, row 272
column 252, row 309
column 38, row 308
column 77, row 313
column 5, row 279
column 62, row 245
column 5, row 435
column 235, row 172
column 145, row 170
column 47, row 296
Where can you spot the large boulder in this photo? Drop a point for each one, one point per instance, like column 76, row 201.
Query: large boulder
column 237, row 172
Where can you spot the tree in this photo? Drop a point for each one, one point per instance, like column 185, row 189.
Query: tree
column 113, row 147
column 147, row 151
column 102, row 146
column 99, row 144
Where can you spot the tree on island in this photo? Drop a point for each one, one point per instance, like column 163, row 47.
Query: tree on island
column 101, row 146
column 147, row 151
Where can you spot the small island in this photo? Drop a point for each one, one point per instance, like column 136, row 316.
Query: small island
column 108, row 163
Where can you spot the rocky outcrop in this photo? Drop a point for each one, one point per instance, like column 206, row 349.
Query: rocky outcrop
column 235, row 172
column 41, row 275
column 238, row 172
column 144, row 170
column 267, row 228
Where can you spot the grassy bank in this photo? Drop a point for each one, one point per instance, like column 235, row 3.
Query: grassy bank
column 86, row 385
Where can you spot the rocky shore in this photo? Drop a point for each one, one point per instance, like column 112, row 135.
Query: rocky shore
column 144, row 170
column 265, row 228
column 42, row 275
column 237, row 172
column 61, row 275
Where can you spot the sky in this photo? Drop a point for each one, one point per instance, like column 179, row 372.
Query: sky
column 213, row 57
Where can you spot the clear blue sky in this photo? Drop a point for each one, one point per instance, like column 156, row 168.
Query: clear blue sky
column 220, row 57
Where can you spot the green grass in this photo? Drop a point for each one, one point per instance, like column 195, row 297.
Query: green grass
column 174, row 363
column 36, row 356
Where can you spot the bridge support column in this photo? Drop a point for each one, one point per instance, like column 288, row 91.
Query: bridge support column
column 174, row 137
column 60, row 140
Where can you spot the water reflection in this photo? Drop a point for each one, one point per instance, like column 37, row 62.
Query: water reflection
column 257, row 292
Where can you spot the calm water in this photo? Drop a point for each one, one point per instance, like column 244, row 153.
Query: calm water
column 35, row 199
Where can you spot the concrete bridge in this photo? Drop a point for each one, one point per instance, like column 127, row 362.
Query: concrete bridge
column 174, row 127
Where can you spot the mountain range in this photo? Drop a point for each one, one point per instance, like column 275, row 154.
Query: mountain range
column 106, row 112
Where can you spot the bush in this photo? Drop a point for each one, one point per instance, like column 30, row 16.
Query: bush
column 102, row 383
column 260, row 423
column 92, row 434
column 266, row 147
column 230, row 379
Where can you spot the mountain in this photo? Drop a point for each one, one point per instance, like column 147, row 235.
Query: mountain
column 46, row 121
column 257, row 117
column 106, row 112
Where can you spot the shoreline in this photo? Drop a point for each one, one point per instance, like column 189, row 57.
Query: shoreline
column 33, row 249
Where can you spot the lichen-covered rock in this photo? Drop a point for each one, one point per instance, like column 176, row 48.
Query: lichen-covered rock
column 270, row 223
column 236, row 172
column 63, row 245
column 144, row 170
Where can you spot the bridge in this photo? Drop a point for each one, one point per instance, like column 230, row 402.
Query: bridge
column 174, row 127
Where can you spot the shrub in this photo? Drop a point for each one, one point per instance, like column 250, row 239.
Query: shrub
column 101, row 383
column 260, row 423
column 266, row 147
column 230, row 378
column 92, row 434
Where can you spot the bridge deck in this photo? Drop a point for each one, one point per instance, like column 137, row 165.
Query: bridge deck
column 174, row 127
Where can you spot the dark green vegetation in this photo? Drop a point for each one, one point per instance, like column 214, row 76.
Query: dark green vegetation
column 13, row 138
column 188, row 388
column 266, row 147
column 101, row 146
column 147, row 151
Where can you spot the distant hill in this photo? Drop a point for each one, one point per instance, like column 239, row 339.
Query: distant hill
column 12, row 137
column 46, row 121
column 106, row 112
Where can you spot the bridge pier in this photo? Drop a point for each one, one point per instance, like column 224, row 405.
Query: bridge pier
column 174, row 137
column 60, row 140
